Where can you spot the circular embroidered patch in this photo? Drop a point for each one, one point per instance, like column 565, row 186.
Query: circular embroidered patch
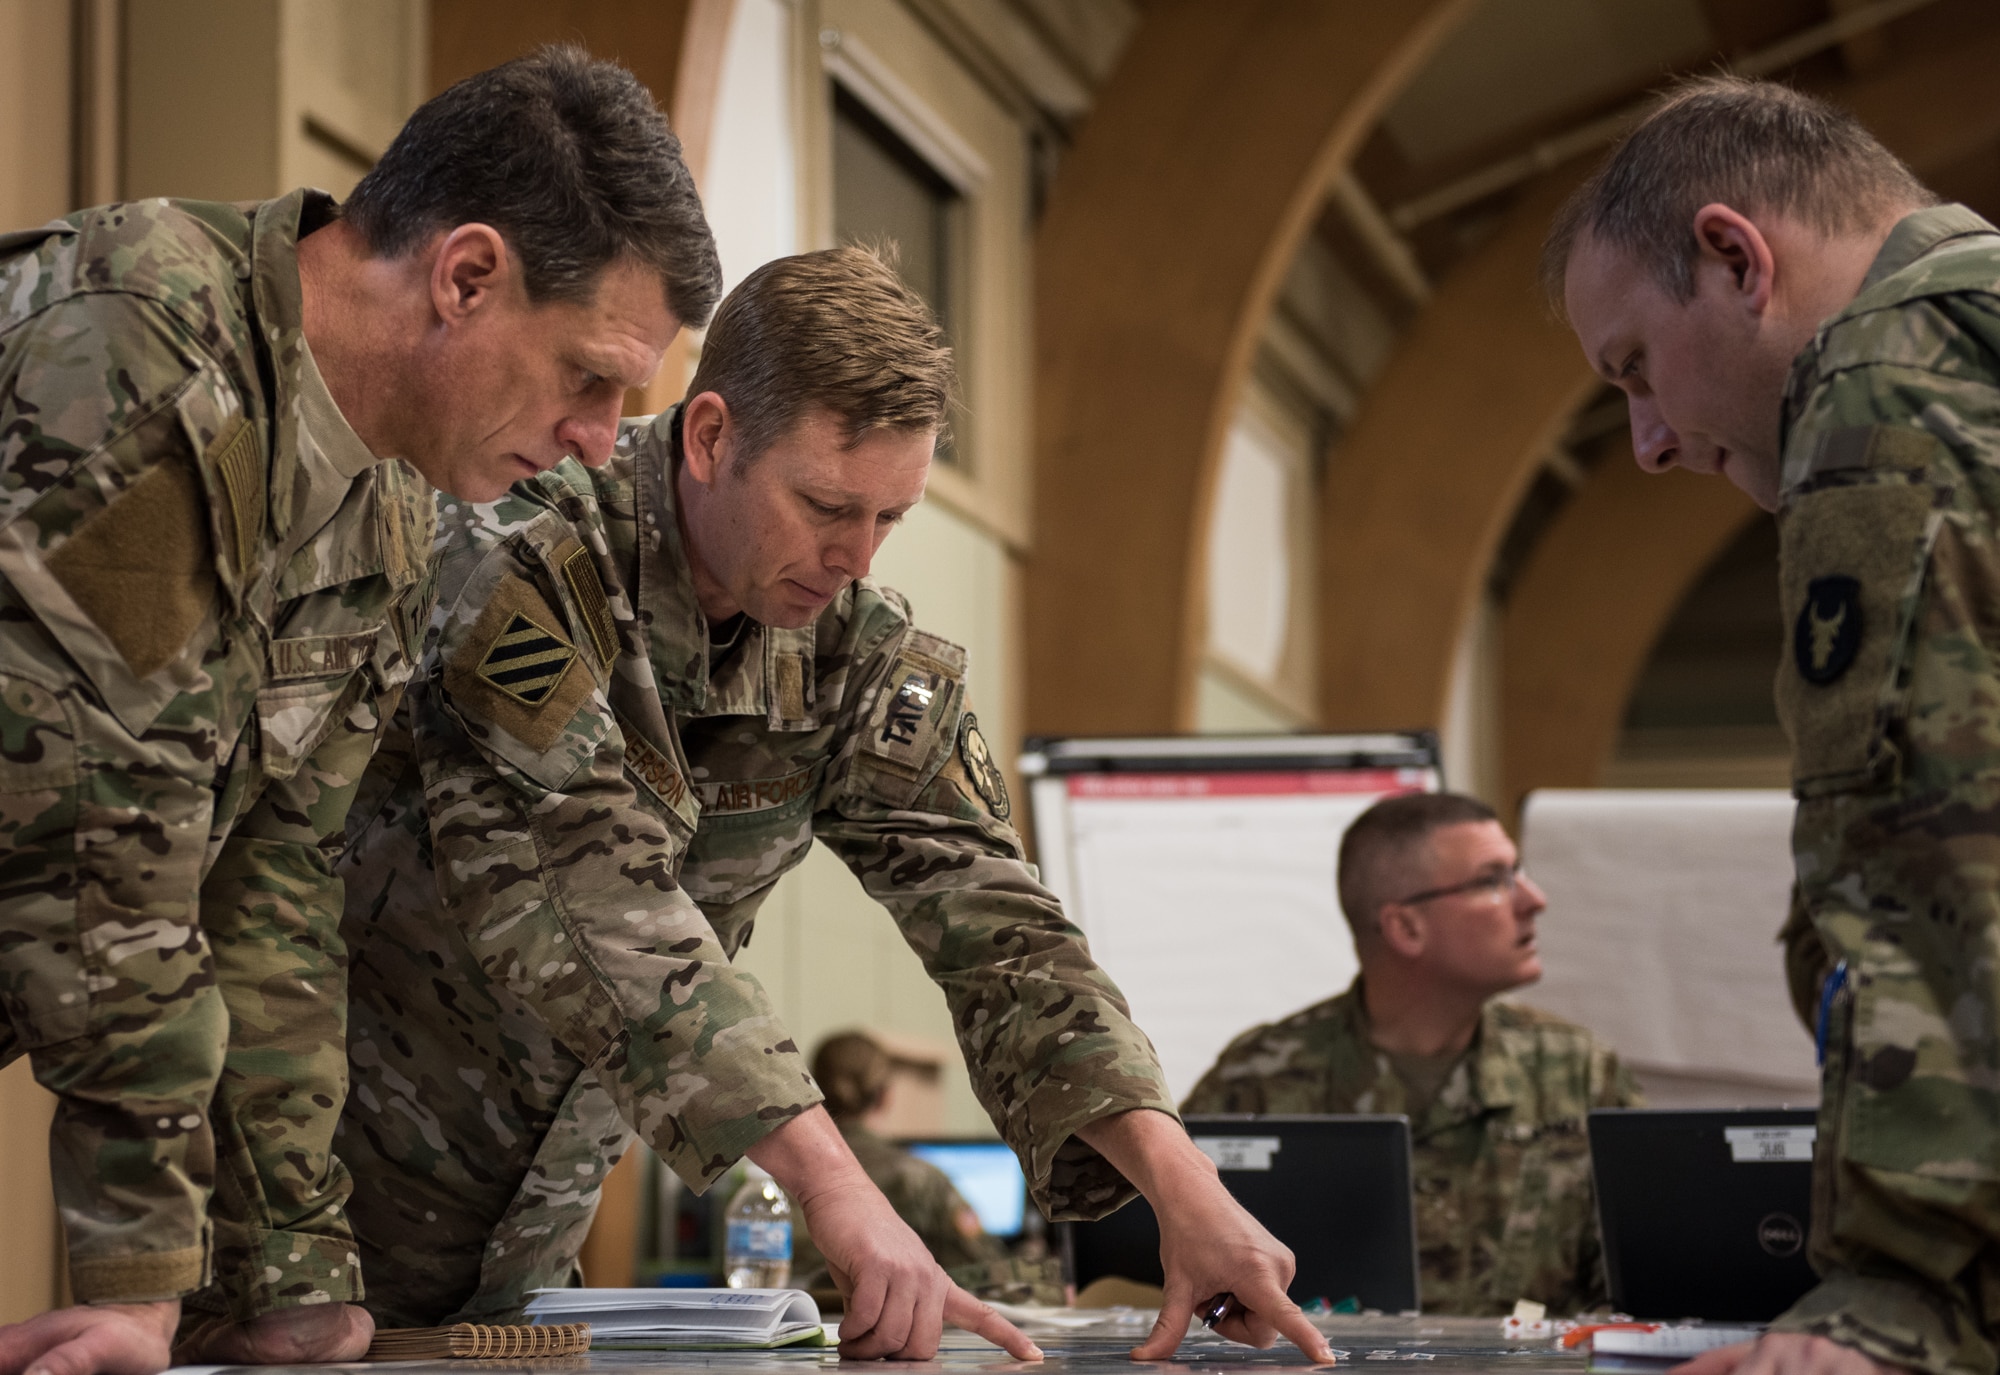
column 980, row 768
column 1827, row 634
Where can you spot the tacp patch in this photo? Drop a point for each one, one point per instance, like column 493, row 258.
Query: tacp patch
column 588, row 589
column 909, row 703
column 980, row 769
column 526, row 660
column 1827, row 635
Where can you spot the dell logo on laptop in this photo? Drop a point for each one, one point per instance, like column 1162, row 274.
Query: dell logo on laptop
column 1780, row 1234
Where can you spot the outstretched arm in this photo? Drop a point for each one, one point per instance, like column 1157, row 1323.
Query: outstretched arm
column 898, row 1300
column 1208, row 1244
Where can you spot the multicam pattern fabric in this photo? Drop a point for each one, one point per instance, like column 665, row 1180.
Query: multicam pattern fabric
column 922, row 1196
column 1501, row 1162
column 208, row 603
column 544, row 896
column 1890, row 573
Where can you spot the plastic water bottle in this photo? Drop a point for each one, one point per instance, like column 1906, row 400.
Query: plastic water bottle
column 757, row 1238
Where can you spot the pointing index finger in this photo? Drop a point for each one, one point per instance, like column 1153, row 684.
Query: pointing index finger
column 964, row 1311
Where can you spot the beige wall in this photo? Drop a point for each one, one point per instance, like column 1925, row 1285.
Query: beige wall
column 34, row 111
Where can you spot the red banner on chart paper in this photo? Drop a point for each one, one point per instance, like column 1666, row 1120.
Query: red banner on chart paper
column 1292, row 784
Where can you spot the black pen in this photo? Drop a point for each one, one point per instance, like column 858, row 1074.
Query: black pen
column 1216, row 1309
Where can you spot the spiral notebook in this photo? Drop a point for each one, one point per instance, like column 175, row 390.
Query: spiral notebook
column 472, row 1340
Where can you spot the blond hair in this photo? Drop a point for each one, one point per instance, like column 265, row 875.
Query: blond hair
column 836, row 329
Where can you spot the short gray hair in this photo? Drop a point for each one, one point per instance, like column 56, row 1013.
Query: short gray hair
column 1377, row 851
column 1752, row 145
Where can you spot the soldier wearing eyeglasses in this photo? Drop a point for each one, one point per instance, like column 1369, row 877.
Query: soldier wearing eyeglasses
column 1496, row 1093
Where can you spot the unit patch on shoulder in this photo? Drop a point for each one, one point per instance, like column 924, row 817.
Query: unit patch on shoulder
column 510, row 670
column 526, row 660
column 1827, row 634
column 588, row 589
column 980, row 768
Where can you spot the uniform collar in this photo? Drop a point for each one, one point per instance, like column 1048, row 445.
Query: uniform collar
column 676, row 631
column 1917, row 234
column 1481, row 1082
column 315, row 455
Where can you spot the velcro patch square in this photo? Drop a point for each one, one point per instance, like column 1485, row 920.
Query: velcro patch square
column 526, row 661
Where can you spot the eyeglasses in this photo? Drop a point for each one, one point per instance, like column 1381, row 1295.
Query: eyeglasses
column 1497, row 887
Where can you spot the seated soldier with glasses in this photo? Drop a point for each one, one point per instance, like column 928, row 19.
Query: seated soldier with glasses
column 1496, row 1093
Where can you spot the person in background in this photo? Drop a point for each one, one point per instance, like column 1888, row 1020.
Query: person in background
column 854, row 1072
column 1496, row 1092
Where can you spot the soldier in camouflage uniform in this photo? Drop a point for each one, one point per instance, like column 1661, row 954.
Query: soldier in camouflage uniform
column 214, row 589
column 1496, row 1093
column 1783, row 303
column 651, row 689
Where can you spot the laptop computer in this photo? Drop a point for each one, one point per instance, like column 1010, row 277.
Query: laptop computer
column 1704, row 1212
column 1336, row 1190
column 986, row 1175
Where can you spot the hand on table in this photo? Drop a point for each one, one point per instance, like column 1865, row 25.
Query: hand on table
column 1208, row 1244
column 92, row 1339
column 1785, row 1353
column 898, row 1299
column 286, row 1336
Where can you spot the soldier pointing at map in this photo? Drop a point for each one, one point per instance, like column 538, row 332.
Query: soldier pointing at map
column 652, row 688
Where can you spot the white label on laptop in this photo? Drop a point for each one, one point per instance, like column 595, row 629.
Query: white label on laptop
column 1238, row 1152
column 1755, row 1144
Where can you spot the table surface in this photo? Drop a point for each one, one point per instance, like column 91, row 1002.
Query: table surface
column 1099, row 1348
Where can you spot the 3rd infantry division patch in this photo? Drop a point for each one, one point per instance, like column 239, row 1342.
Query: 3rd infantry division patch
column 526, row 662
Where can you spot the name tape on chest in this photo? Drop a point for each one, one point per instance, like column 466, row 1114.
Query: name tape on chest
column 320, row 656
column 654, row 771
column 737, row 796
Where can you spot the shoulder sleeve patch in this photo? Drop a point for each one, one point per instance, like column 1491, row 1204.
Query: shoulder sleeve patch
column 980, row 770
column 515, row 669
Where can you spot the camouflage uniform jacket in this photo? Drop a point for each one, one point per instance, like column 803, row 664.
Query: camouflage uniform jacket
column 1501, row 1162
column 1889, row 528
column 586, row 806
column 922, row 1196
column 210, row 594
